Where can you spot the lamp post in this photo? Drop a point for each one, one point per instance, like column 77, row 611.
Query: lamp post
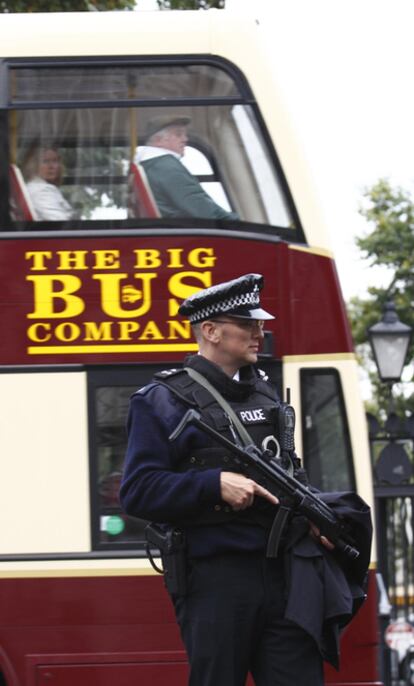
column 389, row 341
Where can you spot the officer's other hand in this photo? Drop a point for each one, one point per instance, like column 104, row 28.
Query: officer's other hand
column 316, row 534
column 239, row 491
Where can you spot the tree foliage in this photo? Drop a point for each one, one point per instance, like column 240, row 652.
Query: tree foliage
column 100, row 5
column 390, row 244
column 190, row 4
column 64, row 5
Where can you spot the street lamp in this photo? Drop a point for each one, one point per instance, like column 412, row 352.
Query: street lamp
column 389, row 341
column 393, row 472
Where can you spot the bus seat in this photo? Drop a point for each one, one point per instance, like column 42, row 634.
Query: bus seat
column 141, row 202
column 21, row 208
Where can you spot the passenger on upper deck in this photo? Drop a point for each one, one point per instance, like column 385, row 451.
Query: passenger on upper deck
column 43, row 170
column 176, row 191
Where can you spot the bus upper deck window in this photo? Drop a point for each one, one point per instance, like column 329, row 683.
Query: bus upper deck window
column 60, row 83
column 99, row 117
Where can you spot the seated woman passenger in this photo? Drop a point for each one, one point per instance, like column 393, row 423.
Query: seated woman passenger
column 43, row 171
column 176, row 191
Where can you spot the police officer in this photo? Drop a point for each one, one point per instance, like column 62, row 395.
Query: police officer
column 235, row 615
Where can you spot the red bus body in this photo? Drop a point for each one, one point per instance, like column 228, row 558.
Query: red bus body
column 97, row 632
column 310, row 320
column 119, row 629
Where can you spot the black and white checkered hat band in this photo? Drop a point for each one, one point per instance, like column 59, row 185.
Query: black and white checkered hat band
column 251, row 299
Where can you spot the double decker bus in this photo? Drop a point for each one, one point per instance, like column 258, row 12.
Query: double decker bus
column 89, row 311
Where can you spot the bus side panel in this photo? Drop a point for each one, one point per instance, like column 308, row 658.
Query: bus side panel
column 59, row 304
column 86, row 615
column 311, row 293
column 86, row 627
column 43, row 443
column 156, row 673
column 94, row 629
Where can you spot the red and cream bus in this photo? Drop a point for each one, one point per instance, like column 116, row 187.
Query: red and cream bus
column 89, row 312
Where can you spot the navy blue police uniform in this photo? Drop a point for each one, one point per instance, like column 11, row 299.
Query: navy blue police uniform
column 240, row 612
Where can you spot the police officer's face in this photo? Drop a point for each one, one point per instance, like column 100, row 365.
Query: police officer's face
column 239, row 340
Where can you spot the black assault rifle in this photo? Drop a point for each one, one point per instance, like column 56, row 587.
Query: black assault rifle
column 292, row 494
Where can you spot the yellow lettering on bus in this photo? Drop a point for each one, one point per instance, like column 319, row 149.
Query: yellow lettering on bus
column 98, row 332
column 201, row 257
column 72, row 260
column 179, row 329
column 34, row 332
column 151, row 332
column 106, row 259
column 51, row 292
column 147, row 259
column 126, row 329
column 175, row 261
column 38, row 257
column 109, row 336
column 67, row 332
column 112, row 295
column 178, row 288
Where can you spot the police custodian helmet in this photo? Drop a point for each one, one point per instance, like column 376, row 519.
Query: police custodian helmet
column 237, row 298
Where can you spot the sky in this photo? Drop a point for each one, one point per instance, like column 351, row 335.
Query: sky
column 346, row 69
column 348, row 85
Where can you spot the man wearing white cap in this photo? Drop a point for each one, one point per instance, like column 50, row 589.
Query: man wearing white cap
column 176, row 191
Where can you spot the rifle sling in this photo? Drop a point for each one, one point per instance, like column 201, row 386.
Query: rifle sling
column 283, row 513
column 243, row 434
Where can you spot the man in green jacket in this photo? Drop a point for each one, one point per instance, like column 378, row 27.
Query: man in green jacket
column 176, row 191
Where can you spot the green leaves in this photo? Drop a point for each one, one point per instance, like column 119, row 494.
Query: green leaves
column 189, row 4
column 389, row 243
column 64, row 5
column 391, row 213
column 101, row 5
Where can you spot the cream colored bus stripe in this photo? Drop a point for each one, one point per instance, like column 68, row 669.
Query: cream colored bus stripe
column 324, row 357
column 76, row 573
column 314, row 251
column 77, row 568
column 171, row 348
column 56, row 573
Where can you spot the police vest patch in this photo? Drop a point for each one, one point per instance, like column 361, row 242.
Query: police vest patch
column 256, row 416
column 165, row 373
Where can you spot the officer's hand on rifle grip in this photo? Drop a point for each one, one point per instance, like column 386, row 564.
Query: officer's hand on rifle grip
column 239, row 491
column 316, row 534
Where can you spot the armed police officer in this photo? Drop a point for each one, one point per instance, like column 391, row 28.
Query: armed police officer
column 239, row 611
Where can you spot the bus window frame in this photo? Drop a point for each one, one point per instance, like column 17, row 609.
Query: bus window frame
column 350, row 457
column 100, row 376
column 215, row 176
column 245, row 98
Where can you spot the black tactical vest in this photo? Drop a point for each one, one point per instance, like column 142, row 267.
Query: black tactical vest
column 257, row 412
